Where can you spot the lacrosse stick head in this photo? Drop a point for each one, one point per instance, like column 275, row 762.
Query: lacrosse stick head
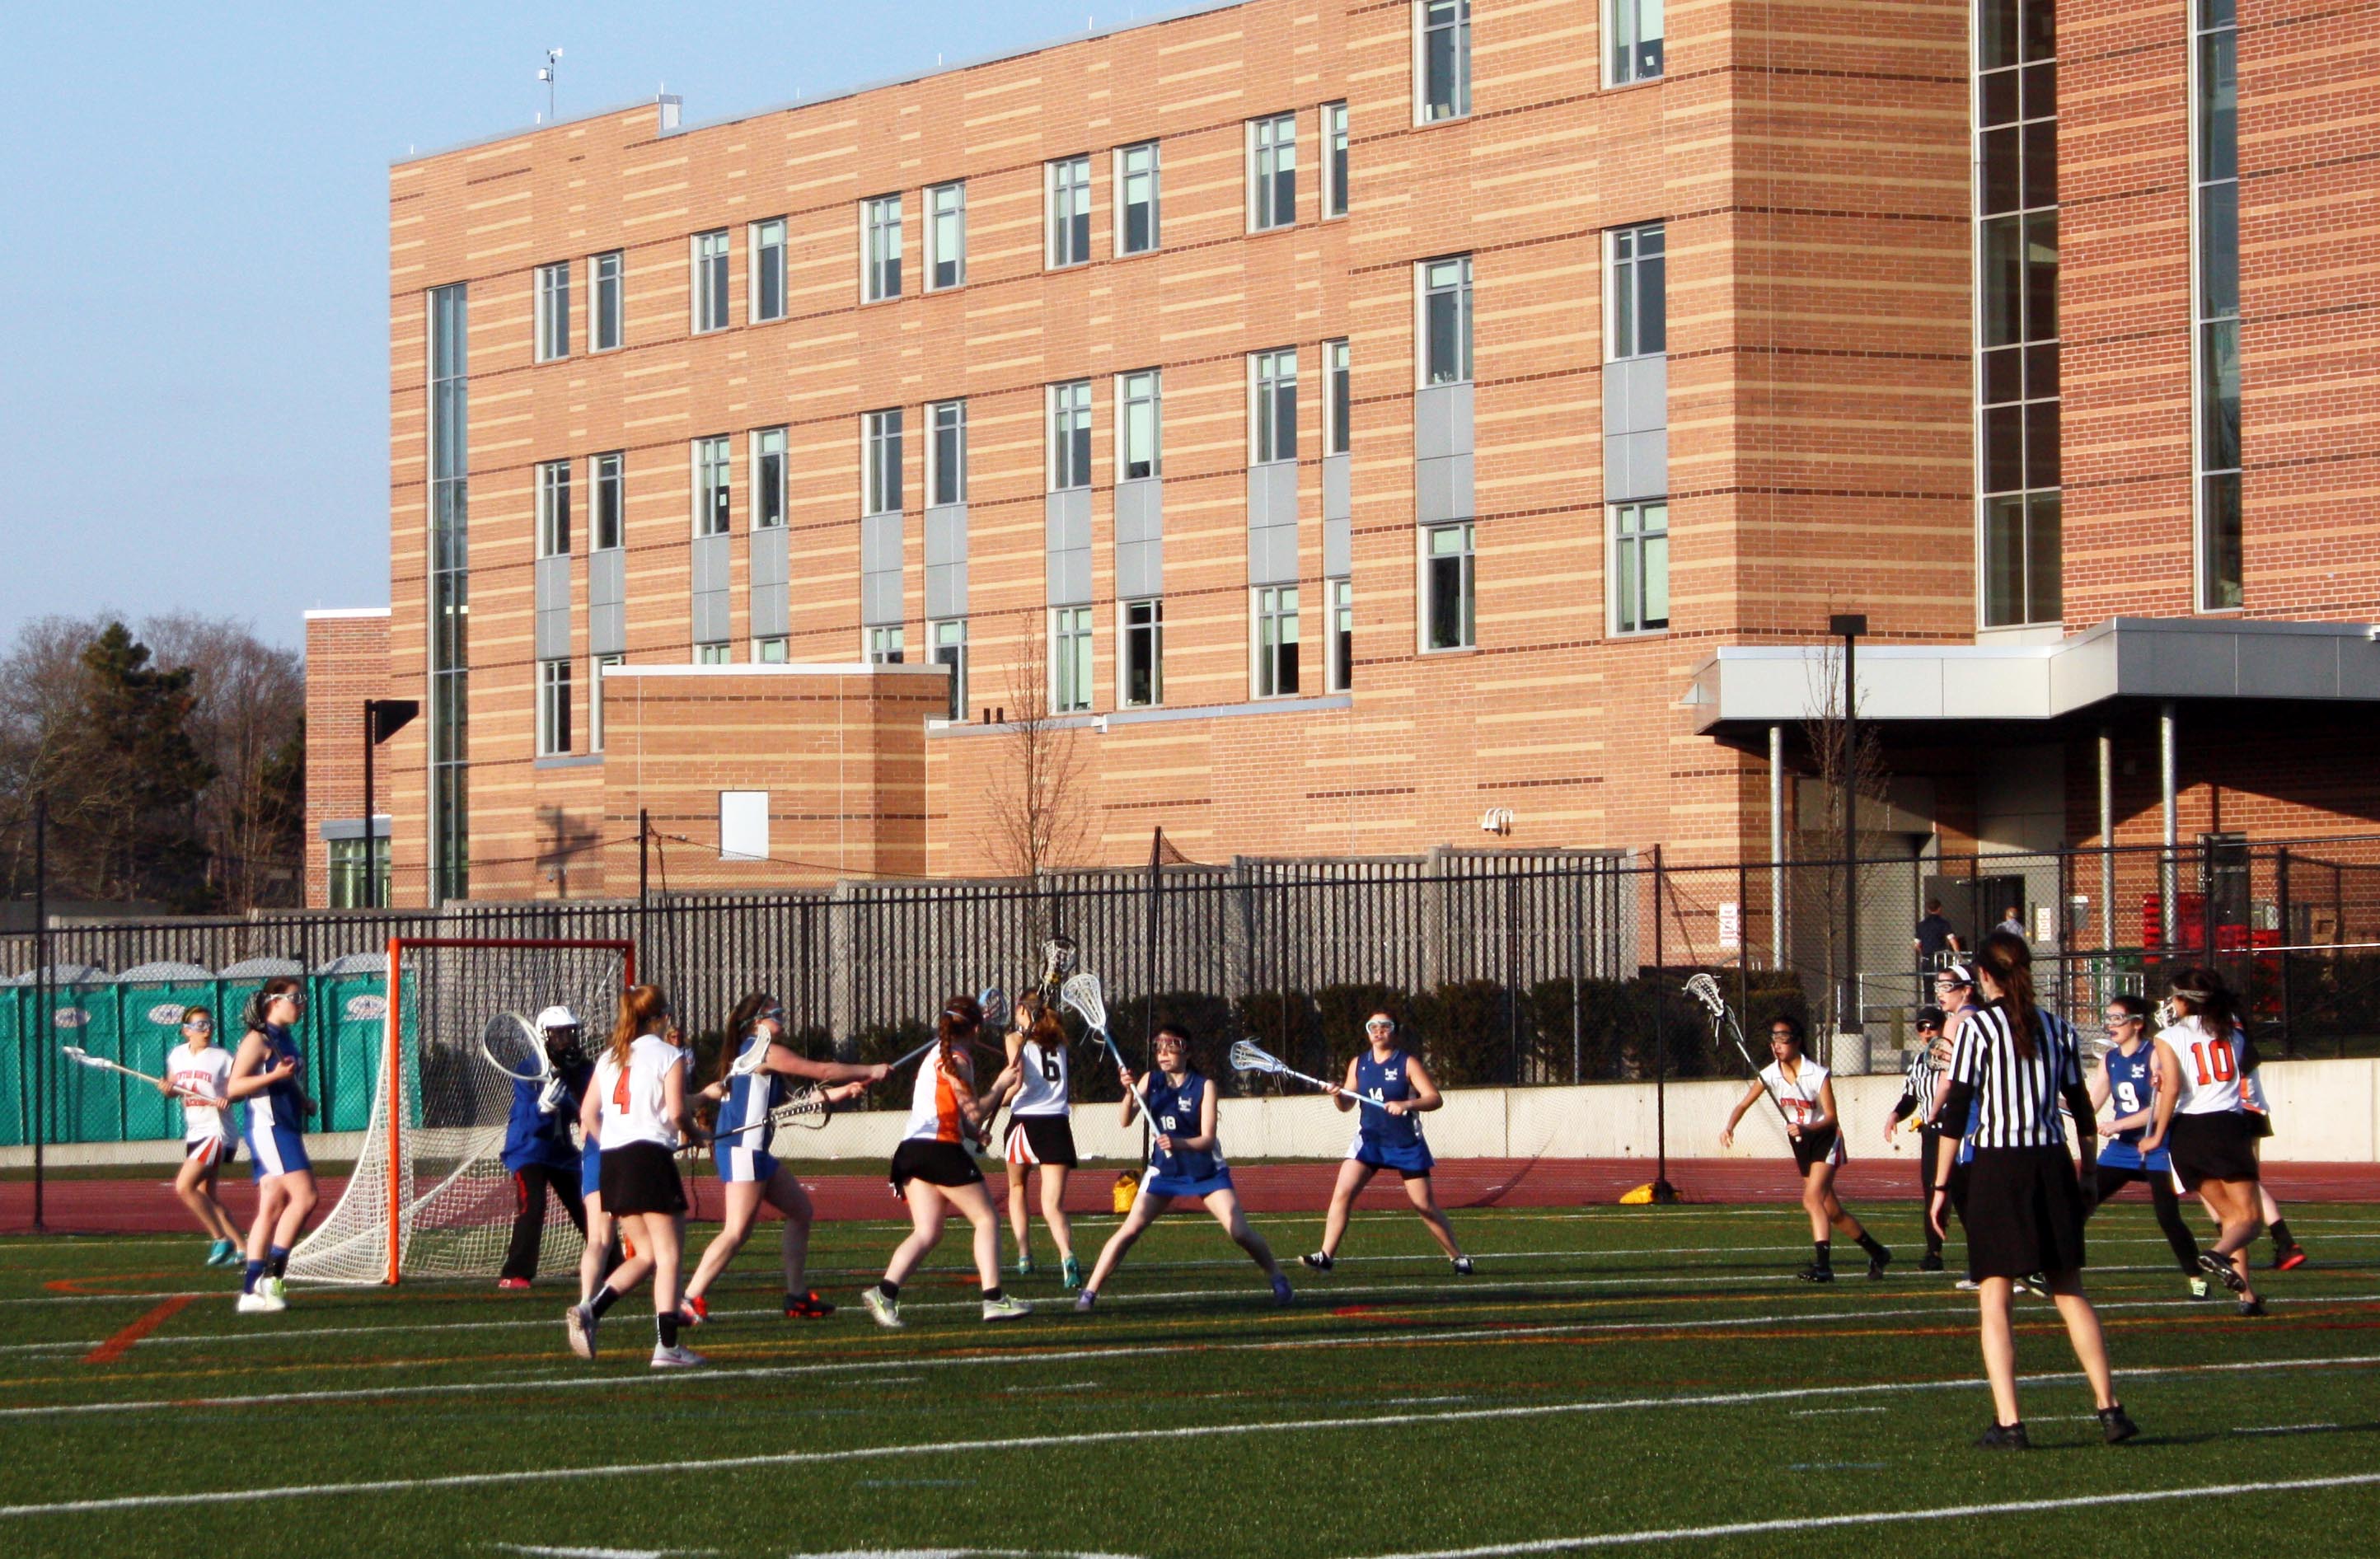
column 513, row 1047
column 1705, row 989
column 997, row 1008
column 1082, row 993
column 77, row 1053
column 1059, row 956
column 1248, row 1055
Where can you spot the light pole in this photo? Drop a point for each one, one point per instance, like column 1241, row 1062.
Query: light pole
column 1850, row 625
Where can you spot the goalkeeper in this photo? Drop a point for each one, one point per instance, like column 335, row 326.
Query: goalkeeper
column 539, row 1152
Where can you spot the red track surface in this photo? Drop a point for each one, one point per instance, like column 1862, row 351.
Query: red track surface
column 148, row 1205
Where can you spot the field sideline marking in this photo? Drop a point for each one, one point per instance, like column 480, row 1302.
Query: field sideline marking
column 1880, row 1518
column 1183, row 1431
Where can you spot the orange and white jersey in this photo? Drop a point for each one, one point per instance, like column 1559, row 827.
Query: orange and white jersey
column 1798, row 1093
column 207, row 1073
column 934, row 1104
column 2208, row 1066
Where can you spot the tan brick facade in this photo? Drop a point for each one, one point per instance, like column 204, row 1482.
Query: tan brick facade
column 347, row 662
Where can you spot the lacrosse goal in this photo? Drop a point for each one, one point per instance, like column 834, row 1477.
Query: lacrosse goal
column 430, row 1196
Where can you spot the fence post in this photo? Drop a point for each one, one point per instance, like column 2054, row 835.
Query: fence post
column 1512, row 976
column 41, row 999
column 644, row 875
column 1662, row 1191
column 2281, row 907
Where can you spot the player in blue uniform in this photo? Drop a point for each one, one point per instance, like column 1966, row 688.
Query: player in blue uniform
column 2127, row 1076
column 752, row 1081
column 1387, row 1138
column 268, row 1073
column 539, row 1152
column 1185, row 1159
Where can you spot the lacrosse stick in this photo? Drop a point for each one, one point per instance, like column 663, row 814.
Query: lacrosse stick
column 1705, row 989
column 988, row 999
column 76, row 1054
column 1059, row 956
column 1248, row 1055
column 512, row 1047
column 1082, row 993
column 807, row 1108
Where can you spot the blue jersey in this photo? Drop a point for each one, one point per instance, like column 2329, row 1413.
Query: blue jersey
column 751, row 1094
column 1387, row 1081
column 2130, row 1086
column 1173, row 1110
column 539, row 1129
column 281, row 1104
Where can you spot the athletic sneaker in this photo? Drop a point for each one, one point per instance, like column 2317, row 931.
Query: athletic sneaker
column 2288, row 1258
column 1280, row 1293
column 1070, row 1271
column 2005, row 1437
column 2220, row 1269
column 1966, row 1285
column 884, row 1312
column 693, row 1310
column 1008, row 1306
column 2038, row 1283
column 1319, row 1261
column 1463, row 1267
column 2251, row 1307
column 1085, row 1300
column 2198, row 1288
column 1024, row 1265
column 275, row 1288
column 2117, row 1425
column 808, row 1306
column 223, row 1252
column 1817, row 1274
column 1933, row 1261
column 1877, row 1262
column 512, row 1285
column 258, row 1302
column 581, row 1323
column 676, row 1356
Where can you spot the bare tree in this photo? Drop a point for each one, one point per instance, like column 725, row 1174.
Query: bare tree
column 250, row 698
column 1039, row 818
column 1836, row 752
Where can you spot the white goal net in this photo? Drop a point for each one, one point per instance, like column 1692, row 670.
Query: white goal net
column 430, row 1196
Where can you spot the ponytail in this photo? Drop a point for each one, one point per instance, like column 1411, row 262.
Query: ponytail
column 961, row 1016
column 642, row 1007
column 2006, row 958
column 2214, row 1003
column 740, row 1024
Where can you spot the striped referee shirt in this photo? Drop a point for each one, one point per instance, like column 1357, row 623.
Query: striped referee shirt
column 2019, row 1098
column 1919, row 1082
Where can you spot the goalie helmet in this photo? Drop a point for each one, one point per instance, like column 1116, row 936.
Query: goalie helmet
column 558, row 1026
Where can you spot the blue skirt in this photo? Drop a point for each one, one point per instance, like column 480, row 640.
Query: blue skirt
column 1155, row 1184
column 1412, row 1160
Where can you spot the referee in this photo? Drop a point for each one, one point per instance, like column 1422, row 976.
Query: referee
column 1920, row 1082
column 2024, row 1204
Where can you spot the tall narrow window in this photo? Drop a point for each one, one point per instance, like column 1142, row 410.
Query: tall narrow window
column 1449, row 614
column 710, row 282
column 1639, row 313
column 605, row 476
column 1445, row 76
column 1070, row 210
column 1275, row 408
column 1334, row 159
column 1276, row 640
column 1272, row 171
column 553, row 312
column 887, row 647
column 768, row 479
column 2016, row 282
column 1633, row 28
column 1070, row 435
column 2215, row 107
column 881, row 462
column 947, row 643
column 1640, row 567
column 1140, row 426
column 605, row 279
column 769, row 269
column 1136, row 199
column 595, row 698
column 711, row 484
column 946, row 453
column 880, row 225
column 450, row 592
column 1140, row 668
column 552, row 708
column 945, row 236
column 553, row 509
column 1446, row 320
column 1070, row 659
column 1339, row 398
column 1341, row 672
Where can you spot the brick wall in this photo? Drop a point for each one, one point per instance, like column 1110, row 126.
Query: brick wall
column 347, row 662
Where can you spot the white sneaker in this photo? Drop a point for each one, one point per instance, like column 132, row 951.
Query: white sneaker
column 1005, row 1308
column 580, row 1321
column 886, row 1313
column 676, row 1356
column 277, row 1289
column 256, row 1301
column 1966, row 1285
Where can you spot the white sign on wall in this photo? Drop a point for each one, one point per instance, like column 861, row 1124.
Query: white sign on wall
column 1731, row 926
column 743, row 824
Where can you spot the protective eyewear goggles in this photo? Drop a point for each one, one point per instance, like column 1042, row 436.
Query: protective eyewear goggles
column 197, row 1025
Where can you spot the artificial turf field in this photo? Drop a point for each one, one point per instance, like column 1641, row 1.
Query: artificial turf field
column 1637, row 1377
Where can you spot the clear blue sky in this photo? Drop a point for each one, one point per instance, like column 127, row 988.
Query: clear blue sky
column 194, row 254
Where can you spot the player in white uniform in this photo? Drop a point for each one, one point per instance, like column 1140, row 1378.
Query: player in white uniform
column 2201, row 1123
column 198, row 1071
column 1041, row 1133
column 1805, row 1091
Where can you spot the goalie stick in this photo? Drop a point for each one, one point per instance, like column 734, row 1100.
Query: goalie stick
column 1705, row 989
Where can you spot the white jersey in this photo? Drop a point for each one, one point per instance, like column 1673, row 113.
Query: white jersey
column 1044, row 1089
column 1800, row 1094
column 2208, row 1066
column 206, row 1073
column 934, row 1113
column 633, row 1100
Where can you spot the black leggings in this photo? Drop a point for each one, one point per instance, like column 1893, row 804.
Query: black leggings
column 1928, row 1138
column 530, row 1183
column 2113, row 1177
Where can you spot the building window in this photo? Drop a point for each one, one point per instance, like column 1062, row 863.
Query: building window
column 880, row 225
column 768, row 479
column 1070, row 435
column 769, row 269
column 347, row 861
column 595, row 699
column 2215, row 108
column 604, row 279
column 947, row 643
column 1140, row 425
column 1639, row 309
column 450, row 592
column 946, row 453
column 1446, row 320
column 711, row 280
column 1136, row 199
column 1449, row 588
column 711, row 482
column 1070, row 659
column 1340, row 675
column 1140, row 670
column 1070, row 210
column 881, row 462
column 1272, row 171
column 605, row 476
column 769, row 652
column 945, row 236
column 1634, row 29
column 710, row 654
column 553, row 509
column 1274, row 405
column 1276, row 640
column 553, row 312
column 886, row 647
column 552, row 708
column 2016, row 282
column 1338, row 399
column 1445, row 60
column 1334, row 159
column 1640, row 567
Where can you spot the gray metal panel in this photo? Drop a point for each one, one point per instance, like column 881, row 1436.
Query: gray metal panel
column 1068, row 515
column 1140, row 510
column 1441, row 421
column 1140, row 569
column 769, row 557
column 1636, row 466
column 946, row 536
column 1338, row 487
column 607, row 576
column 1338, row 547
column 1273, row 555
column 1272, row 494
column 1635, row 394
column 607, row 628
column 1442, row 490
column 710, row 554
column 879, row 596
column 771, row 614
column 553, row 579
column 1069, row 578
column 710, row 617
column 880, row 543
column 946, row 589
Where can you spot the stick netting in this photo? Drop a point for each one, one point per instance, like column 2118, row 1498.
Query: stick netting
column 444, row 1185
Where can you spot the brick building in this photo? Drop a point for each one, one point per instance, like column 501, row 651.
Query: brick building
column 1341, row 428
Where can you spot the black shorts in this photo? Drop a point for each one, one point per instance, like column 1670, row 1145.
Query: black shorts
column 936, row 1163
column 2024, row 1212
column 1039, row 1139
column 2260, row 1123
column 2211, row 1147
column 641, row 1178
column 1816, row 1147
